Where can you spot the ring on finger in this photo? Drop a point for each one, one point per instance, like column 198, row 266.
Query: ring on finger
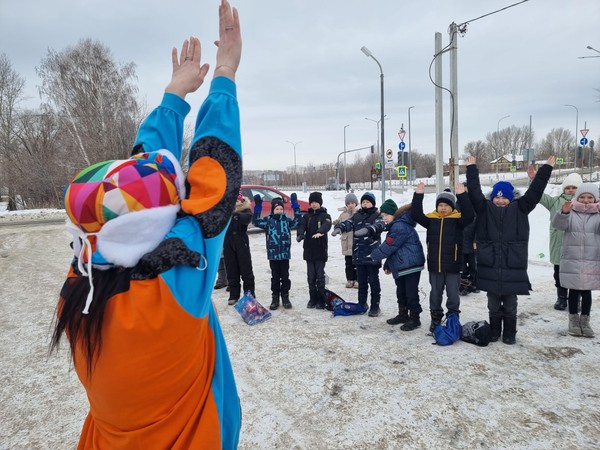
column 228, row 28
column 187, row 58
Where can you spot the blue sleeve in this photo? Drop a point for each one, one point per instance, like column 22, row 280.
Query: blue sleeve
column 296, row 220
column 163, row 128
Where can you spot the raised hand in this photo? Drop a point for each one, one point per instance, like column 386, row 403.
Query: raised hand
column 471, row 160
column 566, row 207
column 459, row 188
column 188, row 75
column 420, row 188
column 230, row 41
column 551, row 160
column 258, row 201
column 531, row 171
column 294, row 201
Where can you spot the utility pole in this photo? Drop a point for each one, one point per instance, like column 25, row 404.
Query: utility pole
column 454, row 89
column 439, row 117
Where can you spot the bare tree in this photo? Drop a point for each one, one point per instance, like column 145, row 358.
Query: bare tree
column 558, row 142
column 511, row 140
column 424, row 164
column 482, row 151
column 95, row 98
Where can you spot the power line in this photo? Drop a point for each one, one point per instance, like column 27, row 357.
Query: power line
column 489, row 14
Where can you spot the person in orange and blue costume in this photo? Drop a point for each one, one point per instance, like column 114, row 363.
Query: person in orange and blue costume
column 136, row 306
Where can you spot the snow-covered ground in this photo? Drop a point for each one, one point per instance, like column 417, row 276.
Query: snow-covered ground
column 310, row 381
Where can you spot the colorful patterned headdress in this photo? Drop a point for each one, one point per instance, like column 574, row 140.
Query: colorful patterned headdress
column 122, row 209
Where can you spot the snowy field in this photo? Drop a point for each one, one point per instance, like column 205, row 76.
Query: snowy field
column 310, row 381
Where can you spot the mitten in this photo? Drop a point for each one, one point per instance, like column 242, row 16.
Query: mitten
column 295, row 204
column 336, row 231
column 300, row 238
column 362, row 232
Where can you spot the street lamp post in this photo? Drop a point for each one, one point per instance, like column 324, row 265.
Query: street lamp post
column 368, row 53
column 295, row 167
column 345, row 172
column 576, row 141
column 498, row 137
column 409, row 147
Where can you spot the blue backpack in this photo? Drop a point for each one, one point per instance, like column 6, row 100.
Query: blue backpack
column 349, row 309
column 448, row 333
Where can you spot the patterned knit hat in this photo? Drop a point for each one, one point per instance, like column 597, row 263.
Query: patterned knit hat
column 446, row 197
column 122, row 209
column 370, row 197
column 503, row 189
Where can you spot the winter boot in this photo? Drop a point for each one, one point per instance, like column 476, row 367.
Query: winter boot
column 510, row 330
column 374, row 311
column 285, row 300
column 402, row 316
column 275, row 302
column 312, row 303
column 221, row 275
column 496, row 326
column 320, row 297
column 575, row 325
column 586, row 330
column 232, row 301
column 355, row 285
column 413, row 322
column 349, row 283
column 436, row 319
column 561, row 299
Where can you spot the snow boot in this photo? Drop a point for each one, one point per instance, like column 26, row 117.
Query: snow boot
column 349, row 283
column 436, row 319
column 510, row 330
column 586, row 330
column 496, row 326
column 413, row 322
column 312, row 303
column 274, row 303
column 374, row 311
column 561, row 299
column 575, row 325
column 232, row 301
column 285, row 300
column 402, row 316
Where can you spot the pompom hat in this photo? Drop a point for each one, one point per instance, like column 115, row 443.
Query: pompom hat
column 503, row 189
column 120, row 210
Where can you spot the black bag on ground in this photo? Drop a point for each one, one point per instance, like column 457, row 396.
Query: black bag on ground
column 478, row 333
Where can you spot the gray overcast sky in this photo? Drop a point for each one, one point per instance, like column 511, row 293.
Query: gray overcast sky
column 303, row 76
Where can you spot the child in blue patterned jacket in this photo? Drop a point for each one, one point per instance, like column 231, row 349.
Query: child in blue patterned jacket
column 278, row 235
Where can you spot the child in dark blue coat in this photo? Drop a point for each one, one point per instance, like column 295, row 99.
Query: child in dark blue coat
column 367, row 225
column 278, row 235
column 405, row 260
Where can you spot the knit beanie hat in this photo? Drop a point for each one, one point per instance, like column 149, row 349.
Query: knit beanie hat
column 389, row 207
column 446, row 197
column 315, row 197
column 120, row 210
column 277, row 201
column 351, row 198
column 573, row 179
column 587, row 188
column 368, row 196
column 503, row 189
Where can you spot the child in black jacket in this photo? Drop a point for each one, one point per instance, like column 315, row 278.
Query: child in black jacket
column 313, row 230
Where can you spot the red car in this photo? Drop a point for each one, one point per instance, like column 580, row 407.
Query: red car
column 268, row 194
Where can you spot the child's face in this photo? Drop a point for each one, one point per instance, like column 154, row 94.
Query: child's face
column 586, row 198
column 315, row 205
column 500, row 201
column 366, row 204
column 278, row 210
column 387, row 218
column 351, row 206
column 444, row 209
column 570, row 190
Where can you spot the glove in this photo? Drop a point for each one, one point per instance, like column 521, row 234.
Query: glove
column 257, row 203
column 300, row 238
column 295, row 204
column 336, row 231
column 362, row 232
